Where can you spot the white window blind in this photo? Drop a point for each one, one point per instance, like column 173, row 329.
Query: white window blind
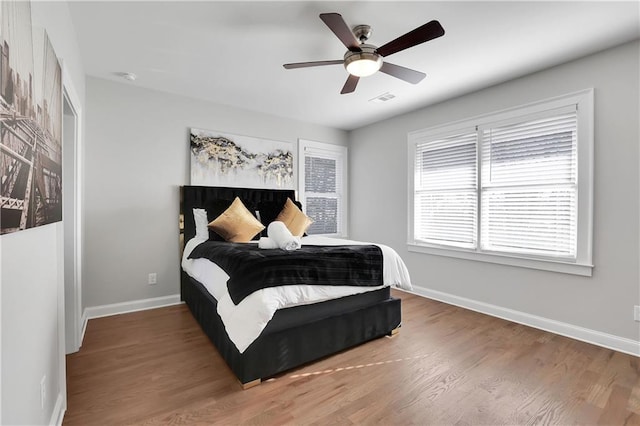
column 514, row 187
column 445, row 191
column 529, row 186
column 322, row 186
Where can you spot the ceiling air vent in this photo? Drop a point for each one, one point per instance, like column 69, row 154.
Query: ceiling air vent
column 386, row 96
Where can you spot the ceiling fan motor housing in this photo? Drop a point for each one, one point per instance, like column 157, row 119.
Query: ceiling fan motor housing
column 362, row 32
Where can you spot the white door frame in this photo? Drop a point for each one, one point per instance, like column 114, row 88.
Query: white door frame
column 76, row 328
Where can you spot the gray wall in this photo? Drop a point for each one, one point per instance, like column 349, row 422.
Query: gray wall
column 603, row 302
column 32, row 305
column 136, row 156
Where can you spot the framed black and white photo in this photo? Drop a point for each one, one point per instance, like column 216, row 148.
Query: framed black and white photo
column 30, row 123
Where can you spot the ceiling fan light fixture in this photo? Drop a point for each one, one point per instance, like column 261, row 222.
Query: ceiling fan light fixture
column 362, row 64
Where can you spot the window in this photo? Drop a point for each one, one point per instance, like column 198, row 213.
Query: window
column 322, row 183
column 514, row 187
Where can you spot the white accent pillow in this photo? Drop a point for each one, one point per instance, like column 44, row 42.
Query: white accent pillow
column 200, row 217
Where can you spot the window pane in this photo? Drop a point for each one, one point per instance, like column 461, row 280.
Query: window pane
column 537, row 221
column 445, row 191
column 322, row 187
column 446, row 218
column 324, row 212
column 535, row 152
column 529, row 182
column 320, row 174
column 449, row 163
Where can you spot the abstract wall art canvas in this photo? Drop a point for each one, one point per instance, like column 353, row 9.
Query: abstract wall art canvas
column 30, row 123
column 224, row 159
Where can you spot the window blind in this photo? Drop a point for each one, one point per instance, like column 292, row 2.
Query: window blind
column 529, row 186
column 323, row 189
column 445, row 199
column 532, row 202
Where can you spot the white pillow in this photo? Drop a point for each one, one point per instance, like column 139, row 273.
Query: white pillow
column 200, row 217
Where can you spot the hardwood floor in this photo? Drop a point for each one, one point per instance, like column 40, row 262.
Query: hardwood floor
column 446, row 366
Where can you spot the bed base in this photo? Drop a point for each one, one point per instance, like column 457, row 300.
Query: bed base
column 280, row 348
column 258, row 382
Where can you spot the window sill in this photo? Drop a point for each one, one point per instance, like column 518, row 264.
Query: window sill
column 582, row 269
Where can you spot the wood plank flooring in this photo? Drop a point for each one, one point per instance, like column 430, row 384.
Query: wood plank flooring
column 446, row 366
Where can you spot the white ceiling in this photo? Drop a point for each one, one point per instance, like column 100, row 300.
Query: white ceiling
column 232, row 53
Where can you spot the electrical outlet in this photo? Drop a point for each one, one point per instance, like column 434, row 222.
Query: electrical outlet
column 636, row 313
column 43, row 391
column 153, row 278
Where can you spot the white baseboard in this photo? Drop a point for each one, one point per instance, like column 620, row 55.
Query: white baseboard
column 606, row 340
column 126, row 307
column 58, row 411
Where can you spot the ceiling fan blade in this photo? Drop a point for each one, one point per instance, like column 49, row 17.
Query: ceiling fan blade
column 406, row 74
column 340, row 28
column 312, row 64
column 350, row 85
column 426, row 32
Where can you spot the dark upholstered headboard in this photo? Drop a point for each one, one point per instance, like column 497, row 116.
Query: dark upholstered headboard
column 216, row 199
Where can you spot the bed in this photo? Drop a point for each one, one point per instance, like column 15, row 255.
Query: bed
column 294, row 335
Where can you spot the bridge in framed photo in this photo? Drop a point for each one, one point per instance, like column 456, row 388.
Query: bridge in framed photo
column 30, row 124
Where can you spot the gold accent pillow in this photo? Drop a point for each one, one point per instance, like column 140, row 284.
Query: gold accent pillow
column 293, row 218
column 236, row 223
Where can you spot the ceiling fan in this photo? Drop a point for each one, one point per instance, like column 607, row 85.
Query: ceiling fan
column 362, row 59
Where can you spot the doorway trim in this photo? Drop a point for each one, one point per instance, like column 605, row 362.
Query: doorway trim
column 70, row 96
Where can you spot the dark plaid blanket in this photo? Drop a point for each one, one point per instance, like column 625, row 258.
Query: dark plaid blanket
column 251, row 268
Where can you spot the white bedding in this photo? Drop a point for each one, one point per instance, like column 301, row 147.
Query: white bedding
column 245, row 321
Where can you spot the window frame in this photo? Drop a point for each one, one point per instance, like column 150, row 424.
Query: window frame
column 582, row 265
column 339, row 153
